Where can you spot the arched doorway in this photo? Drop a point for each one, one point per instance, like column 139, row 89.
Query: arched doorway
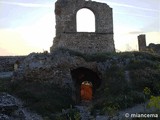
column 86, row 82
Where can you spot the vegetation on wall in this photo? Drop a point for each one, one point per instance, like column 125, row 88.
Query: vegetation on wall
column 125, row 81
column 42, row 97
column 120, row 92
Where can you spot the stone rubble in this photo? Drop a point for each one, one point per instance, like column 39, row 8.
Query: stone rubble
column 7, row 62
column 12, row 108
column 84, row 112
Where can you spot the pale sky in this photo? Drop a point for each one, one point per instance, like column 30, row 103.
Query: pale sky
column 29, row 25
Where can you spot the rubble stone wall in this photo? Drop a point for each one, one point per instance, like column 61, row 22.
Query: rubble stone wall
column 66, row 29
column 52, row 67
column 7, row 62
column 142, row 42
column 86, row 42
column 155, row 48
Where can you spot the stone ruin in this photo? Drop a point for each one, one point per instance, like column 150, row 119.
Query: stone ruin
column 7, row 62
column 85, row 42
column 155, row 48
column 142, row 42
column 61, row 67
column 65, row 69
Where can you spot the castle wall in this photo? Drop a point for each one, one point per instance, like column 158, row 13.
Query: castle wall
column 66, row 30
column 86, row 42
column 154, row 48
column 142, row 42
column 7, row 62
column 66, row 10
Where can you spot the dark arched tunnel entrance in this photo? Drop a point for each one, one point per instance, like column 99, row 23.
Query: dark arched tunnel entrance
column 86, row 82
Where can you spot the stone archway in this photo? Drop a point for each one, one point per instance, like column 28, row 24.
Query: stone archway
column 81, row 75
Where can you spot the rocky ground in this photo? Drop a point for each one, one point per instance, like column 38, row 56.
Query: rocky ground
column 12, row 109
column 120, row 115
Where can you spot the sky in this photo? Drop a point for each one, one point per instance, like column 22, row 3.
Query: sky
column 28, row 26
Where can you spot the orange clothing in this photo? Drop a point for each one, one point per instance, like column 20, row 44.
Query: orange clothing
column 86, row 92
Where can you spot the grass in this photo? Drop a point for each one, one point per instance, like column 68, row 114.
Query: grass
column 41, row 97
column 115, row 94
column 4, row 84
column 121, row 56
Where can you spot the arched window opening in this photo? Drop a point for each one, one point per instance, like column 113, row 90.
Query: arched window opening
column 85, row 20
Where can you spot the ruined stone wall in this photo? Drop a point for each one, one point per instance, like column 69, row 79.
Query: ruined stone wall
column 154, row 48
column 142, row 42
column 86, row 42
column 66, row 30
column 55, row 68
column 66, row 11
column 7, row 62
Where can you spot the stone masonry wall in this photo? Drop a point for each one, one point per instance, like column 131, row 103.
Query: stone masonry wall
column 7, row 62
column 66, row 10
column 155, row 48
column 66, row 29
column 55, row 67
column 86, row 42
column 142, row 42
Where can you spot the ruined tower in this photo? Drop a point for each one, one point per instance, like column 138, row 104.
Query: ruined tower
column 142, row 42
column 85, row 42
